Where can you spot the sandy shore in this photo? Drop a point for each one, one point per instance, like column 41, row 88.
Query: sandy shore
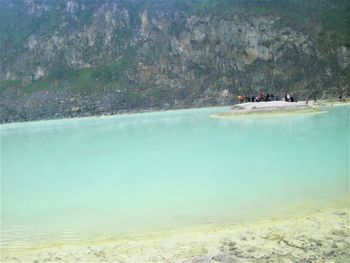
column 321, row 236
column 269, row 108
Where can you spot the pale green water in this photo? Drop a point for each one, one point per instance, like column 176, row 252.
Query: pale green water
column 67, row 180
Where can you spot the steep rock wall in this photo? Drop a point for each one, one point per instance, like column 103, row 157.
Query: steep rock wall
column 82, row 58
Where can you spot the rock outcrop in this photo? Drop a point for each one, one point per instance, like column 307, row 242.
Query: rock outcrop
column 74, row 58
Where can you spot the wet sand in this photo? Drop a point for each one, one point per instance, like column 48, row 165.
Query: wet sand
column 319, row 236
column 327, row 103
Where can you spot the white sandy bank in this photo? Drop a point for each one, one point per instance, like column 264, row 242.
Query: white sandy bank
column 269, row 108
column 271, row 105
column 322, row 236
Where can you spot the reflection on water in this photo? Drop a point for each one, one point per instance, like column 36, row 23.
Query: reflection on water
column 67, row 180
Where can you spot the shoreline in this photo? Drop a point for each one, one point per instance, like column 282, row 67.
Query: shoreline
column 264, row 114
column 128, row 112
column 334, row 103
column 111, row 115
column 269, row 108
column 318, row 235
column 116, row 113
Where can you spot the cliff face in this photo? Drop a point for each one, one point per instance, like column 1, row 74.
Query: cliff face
column 73, row 58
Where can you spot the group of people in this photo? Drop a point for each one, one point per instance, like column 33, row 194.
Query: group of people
column 262, row 97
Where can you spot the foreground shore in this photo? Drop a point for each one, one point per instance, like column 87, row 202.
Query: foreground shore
column 320, row 236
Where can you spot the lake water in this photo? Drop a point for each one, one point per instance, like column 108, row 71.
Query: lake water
column 91, row 178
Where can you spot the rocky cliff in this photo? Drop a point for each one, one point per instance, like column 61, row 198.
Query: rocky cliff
column 76, row 58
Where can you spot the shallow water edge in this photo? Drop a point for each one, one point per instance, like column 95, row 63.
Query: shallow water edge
column 318, row 236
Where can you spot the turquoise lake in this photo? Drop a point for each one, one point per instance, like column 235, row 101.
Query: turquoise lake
column 90, row 178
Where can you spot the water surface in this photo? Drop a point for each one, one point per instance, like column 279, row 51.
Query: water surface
column 87, row 178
